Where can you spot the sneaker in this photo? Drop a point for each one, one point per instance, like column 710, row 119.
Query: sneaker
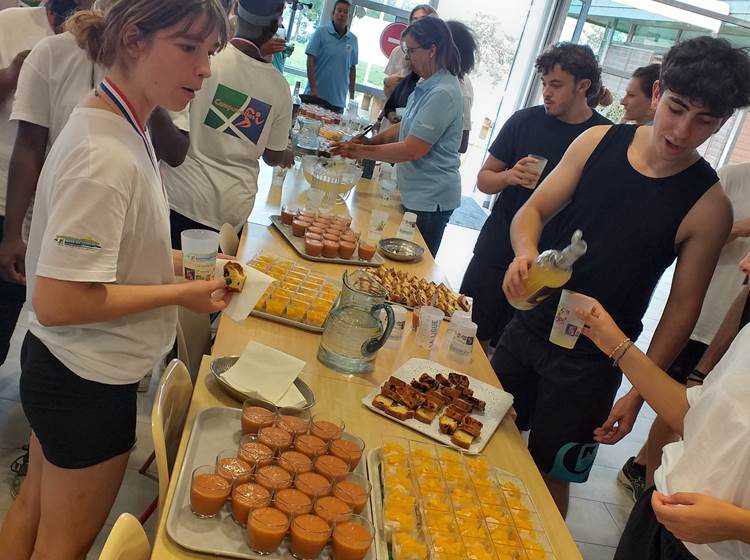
column 19, row 468
column 633, row 477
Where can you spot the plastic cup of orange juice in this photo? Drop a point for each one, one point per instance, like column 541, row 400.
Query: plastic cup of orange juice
column 353, row 490
column 208, row 492
column 310, row 535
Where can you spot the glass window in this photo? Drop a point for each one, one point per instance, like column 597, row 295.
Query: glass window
column 372, row 61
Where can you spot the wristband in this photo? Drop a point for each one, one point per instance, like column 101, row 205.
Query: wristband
column 623, row 343
column 616, row 361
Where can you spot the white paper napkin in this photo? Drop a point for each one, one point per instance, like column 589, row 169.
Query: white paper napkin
column 243, row 303
column 266, row 373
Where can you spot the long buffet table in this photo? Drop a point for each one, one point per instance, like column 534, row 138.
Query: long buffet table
column 341, row 394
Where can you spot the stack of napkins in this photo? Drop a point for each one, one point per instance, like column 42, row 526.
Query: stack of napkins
column 243, row 303
column 266, row 373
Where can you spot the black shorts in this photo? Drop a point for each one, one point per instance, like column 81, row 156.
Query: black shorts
column 79, row 423
column 685, row 362
column 491, row 310
column 560, row 395
column 645, row 538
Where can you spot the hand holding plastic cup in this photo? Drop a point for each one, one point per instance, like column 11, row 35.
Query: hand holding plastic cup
column 199, row 249
column 567, row 326
column 429, row 323
column 538, row 167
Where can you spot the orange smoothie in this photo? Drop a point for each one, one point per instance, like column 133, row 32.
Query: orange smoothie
column 331, row 467
column 254, row 418
column 246, row 497
column 292, row 501
column 255, row 453
column 325, row 430
column 332, row 509
column 275, row 438
column 309, row 536
column 312, row 484
column 292, row 424
column 295, row 462
column 208, row 493
column 310, row 445
column 351, row 541
column 273, row 477
column 351, row 494
column 234, row 470
column 266, row 528
column 349, row 451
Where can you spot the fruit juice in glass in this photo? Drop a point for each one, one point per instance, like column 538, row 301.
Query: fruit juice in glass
column 354, row 490
column 310, row 535
column 266, row 528
column 349, row 448
column 352, row 538
column 208, row 492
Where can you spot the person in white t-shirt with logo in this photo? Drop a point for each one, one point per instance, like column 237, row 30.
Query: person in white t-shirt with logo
column 101, row 271
column 242, row 113
column 700, row 505
column 20, row 30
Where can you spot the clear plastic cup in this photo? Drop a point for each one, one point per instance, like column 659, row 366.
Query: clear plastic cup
column 199, row 248
column 463, row 341
column 541, row 163
column 566, row 328
column 378, row 221
column 279, row 175
column 429, row 323
column 459, row 316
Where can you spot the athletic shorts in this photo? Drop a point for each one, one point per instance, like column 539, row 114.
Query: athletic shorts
column 644, row 538
column 560, row 395
column 490, row 311
column 79, row 423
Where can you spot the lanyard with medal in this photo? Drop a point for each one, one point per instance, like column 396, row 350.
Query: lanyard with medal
column 118, row 99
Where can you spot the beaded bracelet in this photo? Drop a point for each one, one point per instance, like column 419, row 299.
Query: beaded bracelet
column 616, row 361
column 623, row 343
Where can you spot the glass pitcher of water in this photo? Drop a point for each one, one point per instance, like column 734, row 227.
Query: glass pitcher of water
column 353, row 331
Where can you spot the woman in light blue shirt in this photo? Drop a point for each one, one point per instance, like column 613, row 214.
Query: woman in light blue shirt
column 425, row 143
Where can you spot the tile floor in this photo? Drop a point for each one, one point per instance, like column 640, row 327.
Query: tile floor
column 598, row 508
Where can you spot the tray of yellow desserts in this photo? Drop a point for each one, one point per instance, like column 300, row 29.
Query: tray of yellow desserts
column 431, row 501
column 298, row 297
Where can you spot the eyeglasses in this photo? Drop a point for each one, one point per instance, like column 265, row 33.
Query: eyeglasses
column 409, row 50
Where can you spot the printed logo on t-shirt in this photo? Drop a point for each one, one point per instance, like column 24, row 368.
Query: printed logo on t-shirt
column 85, row 243
column 237, row 114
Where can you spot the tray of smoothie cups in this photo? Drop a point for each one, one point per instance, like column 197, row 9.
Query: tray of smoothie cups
column 271, row 482
column 430, row 501
column 298, row 297
column 325, row 238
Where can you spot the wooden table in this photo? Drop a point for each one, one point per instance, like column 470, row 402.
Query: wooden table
column 341, row 394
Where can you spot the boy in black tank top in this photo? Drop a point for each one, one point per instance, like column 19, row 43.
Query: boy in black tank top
column 569, row 74
column 642, row 196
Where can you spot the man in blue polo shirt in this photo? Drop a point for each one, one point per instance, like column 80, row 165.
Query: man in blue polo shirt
column 332, row 55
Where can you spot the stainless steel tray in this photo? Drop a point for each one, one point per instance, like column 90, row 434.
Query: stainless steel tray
column 214, row 430
column 288, row 322
column 298, row 243
column 400, row 250
column 220, row 365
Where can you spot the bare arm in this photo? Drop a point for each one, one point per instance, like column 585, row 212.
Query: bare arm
column 725, row 335
column 410, row 149
column 740, row 228
column 390, row 82
column 548, row 199
column 311, row 75
column 9, row 76
column 387, row 136
column 23, row 173
column 700, row 238
column 352, row 80
column 281, row 158
column 170, row 143
column 61, row 302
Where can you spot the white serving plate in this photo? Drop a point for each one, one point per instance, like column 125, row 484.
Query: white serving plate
column 498, row 404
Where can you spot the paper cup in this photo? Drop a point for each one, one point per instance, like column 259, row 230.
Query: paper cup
column 541, row 163
column 566, row 327
column 199, row 248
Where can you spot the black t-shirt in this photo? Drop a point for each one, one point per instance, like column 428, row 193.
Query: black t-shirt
column 528, row 131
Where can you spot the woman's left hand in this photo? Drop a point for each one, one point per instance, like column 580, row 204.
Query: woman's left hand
column 695, row 518
column 351, row 149
column 272, row 46
column 601, row 328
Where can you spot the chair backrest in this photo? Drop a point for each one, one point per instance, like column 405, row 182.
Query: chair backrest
column 193, row 339
column 126, row 541
column 168, row 419
column 228, row 240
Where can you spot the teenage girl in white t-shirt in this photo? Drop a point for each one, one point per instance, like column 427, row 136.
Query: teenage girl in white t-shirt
column 101, row 273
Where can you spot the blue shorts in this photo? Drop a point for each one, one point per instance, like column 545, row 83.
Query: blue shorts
column 561, row 395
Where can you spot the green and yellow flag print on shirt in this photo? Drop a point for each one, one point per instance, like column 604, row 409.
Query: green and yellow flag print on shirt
column 237, row 114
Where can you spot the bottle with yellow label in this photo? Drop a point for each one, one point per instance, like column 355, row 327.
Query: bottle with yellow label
column 551, row 270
